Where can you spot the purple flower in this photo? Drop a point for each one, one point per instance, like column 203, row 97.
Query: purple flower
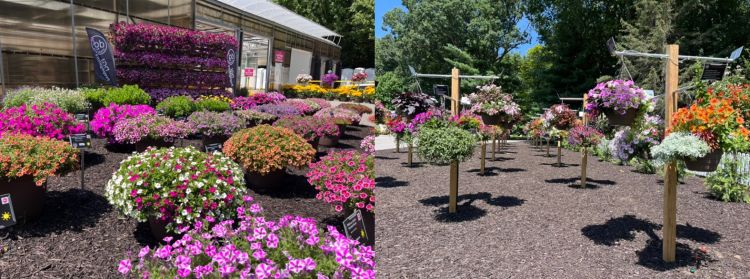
column 124, row 266
column 263, row 271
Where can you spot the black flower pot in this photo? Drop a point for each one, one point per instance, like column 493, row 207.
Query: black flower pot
column 493, row 120
column 706, row 163
column 27, row 198
column 617, row 119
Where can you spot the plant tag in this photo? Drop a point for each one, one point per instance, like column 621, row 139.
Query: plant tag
column 354, row 227
column 7, row 216
column 80, row 140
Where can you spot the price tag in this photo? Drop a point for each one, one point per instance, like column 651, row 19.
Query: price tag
column 7, row 216
column 82, row 117
column 211, row 148
column 80, row 140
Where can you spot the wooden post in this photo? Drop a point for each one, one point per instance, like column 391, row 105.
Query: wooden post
column 494, row 146
column 398, row 144
column 453, row 199
column 455, row 96
column 559, row 153
column 585, row 115
column 483, row 156
column 409, row 156
column 584, row 163
column 548, row 155
column 669, row 228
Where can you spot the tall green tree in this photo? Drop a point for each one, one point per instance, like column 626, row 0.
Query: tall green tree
column 353, row 19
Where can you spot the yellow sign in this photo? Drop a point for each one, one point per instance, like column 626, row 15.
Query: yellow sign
column 6, row 216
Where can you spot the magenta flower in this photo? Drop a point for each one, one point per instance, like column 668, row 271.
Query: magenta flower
column 39, row 120
column 124, row 266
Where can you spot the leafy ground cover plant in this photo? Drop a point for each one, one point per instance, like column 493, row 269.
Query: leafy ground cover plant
column 256, row 117
column 727, row 183
column 179, row 186
column 358, row 108
column 36, row 156
column 149, row 126
column 105, row 118
column 254, row 247
column 126, row 95
column 344, row 179
column 264, row 149
column 444, row 145
column 94, row 96
column 216, row 123
column 72, row 101
column 340, row 116
column 177, row 106
column 39, row 120
column 310, row 128
column 679, row 146
column 214, row 103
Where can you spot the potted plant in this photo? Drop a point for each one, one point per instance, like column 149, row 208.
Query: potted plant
column 177, row 106
column 304, row 79
column 679, row 146
column 409, row 104
column 397, row 126
column 359, row 77
column 342, row 117
column 303, row 107
column 620, row 100
column 719, row 125
column 346, row 180
column 148, row 130
column 494, row 106
column 39, row 120
column 214, row 103
column 25, row 164
column 254, row 118
column 71, row 101
column 256, row 99
column 265, row 152
column 105, row 118
column 584, row 137
column 290, row 247
column 279, row 110
column 312, row 129
column 215, row 127
column 174, row 187
column 329, row 79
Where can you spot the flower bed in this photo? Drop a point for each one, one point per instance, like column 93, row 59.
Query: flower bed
column 39, row 120
column 345, row 179
column 216, row 123
column 177, row 106
column 178, row 186
column 346, row 92
column 37, row 156
column 264, row 149
column 310, row 128
column 254, row 117
column 105, row 118
column 257, row 99
column 72, row 101
column 292, row 247
column 339, row 115
column 150, row 127
column 280, row 110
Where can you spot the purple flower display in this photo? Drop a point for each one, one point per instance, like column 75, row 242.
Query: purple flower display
column 256, row 99
column 279, row 110
column 150, row 126
column 617, row 95
column 254, row 247
column 105, row 118
column 39, row 120
column 167, row 61
column 329, row 79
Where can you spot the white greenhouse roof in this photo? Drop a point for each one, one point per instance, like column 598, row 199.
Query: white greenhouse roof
column 282, row 16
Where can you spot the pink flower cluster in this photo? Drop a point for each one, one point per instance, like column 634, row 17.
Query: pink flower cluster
column 39, row 120
column 368, row 144
column 300, row 105
column 361, row 76
column 345, row 179
column 256, row 99
column 253, row 247
column 321, row 102
column 105, row 118
column 151, row 126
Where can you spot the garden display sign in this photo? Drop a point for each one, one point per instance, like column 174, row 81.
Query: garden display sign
column 7, row 216
column 80, row 140
column 354, row 227
column 231, row 65
column 105, row 61
column 211, row 148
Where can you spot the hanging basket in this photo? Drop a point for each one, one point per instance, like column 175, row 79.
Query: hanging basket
column 706, row 163
column 617, row 119
column 28, row 199
column 491, row 119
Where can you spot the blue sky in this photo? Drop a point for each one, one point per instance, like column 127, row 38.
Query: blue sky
column 383, row 6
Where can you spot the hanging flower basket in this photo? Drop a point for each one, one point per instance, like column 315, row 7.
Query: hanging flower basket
column 28, row 199
column 617, row 119
column 706, row 163
column 265, row 182
column 494, row 120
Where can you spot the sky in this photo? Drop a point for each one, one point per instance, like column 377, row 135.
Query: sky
column 383, row 6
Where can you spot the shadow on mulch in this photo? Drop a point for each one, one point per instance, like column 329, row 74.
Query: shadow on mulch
column 143, row 235
column 466, row 211
column 575, row 182
column 499, row 159
column 120, row 148
column 384, row 158
column 413, row 165
column 295, row 186
column 564, row 165
column 494, row 171
column 72, row 210
column 389, row 182
column 92, row 159
column 625, row 227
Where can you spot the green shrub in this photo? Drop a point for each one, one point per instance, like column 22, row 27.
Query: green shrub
column 726, row 183
column 126, row 95
column 443, row 145
column 212, row 105
column 94, row 96
column 177, row 106
column 72, row 101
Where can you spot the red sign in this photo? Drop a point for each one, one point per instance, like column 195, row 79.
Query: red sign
column 278, row 56
column 249, row 72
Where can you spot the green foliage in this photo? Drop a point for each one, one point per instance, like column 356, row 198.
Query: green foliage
column 212, row 105
column 72, row 101
column 726, row 183
column 679, row 146
column 444, row 145
column 94, row 96
column 126, row 95
column 390, row 85
column 177, row 106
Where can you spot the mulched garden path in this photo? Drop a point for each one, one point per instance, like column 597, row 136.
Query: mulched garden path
column 524, row 220
column 81, row 236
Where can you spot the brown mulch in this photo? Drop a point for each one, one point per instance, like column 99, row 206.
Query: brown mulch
column 528, row 219
column 81, row 236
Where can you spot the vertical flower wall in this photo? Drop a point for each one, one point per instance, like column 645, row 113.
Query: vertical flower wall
column 167, row 61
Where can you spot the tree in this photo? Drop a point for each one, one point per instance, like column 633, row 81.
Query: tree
column 354, row 20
